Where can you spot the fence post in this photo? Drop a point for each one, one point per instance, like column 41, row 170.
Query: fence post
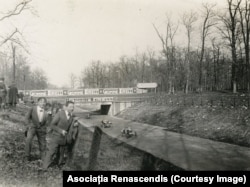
column 96, row 140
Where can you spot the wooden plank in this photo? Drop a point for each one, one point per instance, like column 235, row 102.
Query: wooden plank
column 187, row 152
column 96, row 140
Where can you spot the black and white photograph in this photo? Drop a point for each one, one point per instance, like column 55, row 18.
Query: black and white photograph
column 141, row 86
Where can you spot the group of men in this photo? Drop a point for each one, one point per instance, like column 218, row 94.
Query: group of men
column 8, row 95
column 61, row 129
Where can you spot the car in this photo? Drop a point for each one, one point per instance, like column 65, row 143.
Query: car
column 128, row 132
column 106, row 124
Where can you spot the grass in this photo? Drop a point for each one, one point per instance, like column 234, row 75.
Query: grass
column 112, row 155
column 14, row 169
column 220, row 123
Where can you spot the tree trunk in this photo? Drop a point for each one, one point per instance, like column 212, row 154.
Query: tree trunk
column 234, row 87
column 234, row 83
column 188, row 72
column 170, row 86
column 186, row 86
column 201, row 63
column 247, row 68
column 215, row 74
column 14, row 62
column 234, row 67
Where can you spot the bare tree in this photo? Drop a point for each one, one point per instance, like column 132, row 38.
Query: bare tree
column 229, row 32
column 16, row 40
column 207, row 23
column 13, row 47
column 8, row 38
column 168, row 49
column 188, row 20
column 244, row 12
column 72, row 80
column 40, row 80
column 152, row 63
column 123, row 71
column 140, row 62
column 18, row 9
column 216, row 50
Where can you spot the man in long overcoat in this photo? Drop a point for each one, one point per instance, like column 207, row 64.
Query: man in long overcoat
column 13, row 95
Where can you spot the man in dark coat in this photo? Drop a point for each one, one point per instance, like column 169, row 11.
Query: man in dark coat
column 37, row 121
column 3, row 93
column 60, row 126
column 68, row 149
column 13, row 95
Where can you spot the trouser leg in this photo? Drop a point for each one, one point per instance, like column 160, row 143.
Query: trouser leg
column 41, row 137
column 52, row 151
column 48, row 139
column 71, row 149
column 70, row 153
column 30, row 135
column 62, row 150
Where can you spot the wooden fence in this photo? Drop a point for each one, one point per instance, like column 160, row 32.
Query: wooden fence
column 157, row 147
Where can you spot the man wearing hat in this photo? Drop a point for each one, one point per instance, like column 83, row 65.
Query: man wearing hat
column 3, row 93
column 13, row 95
column 60, row 125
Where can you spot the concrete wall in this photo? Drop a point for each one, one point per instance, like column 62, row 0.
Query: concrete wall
column 107, row 108
column 118, row 107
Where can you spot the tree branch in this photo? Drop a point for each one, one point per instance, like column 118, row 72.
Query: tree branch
column 159, row 35
column 17, row 10
column 9, row 37
column 164, row 47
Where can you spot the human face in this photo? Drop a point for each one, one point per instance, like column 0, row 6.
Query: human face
column 70, row 107
column 48, row 108
column 41, row 103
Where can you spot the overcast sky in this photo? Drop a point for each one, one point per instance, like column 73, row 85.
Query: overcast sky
column 68, row 34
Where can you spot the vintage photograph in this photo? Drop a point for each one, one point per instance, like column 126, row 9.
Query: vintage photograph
column 123, row 85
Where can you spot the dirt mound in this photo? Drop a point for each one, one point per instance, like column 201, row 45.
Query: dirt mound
column 229, row 124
